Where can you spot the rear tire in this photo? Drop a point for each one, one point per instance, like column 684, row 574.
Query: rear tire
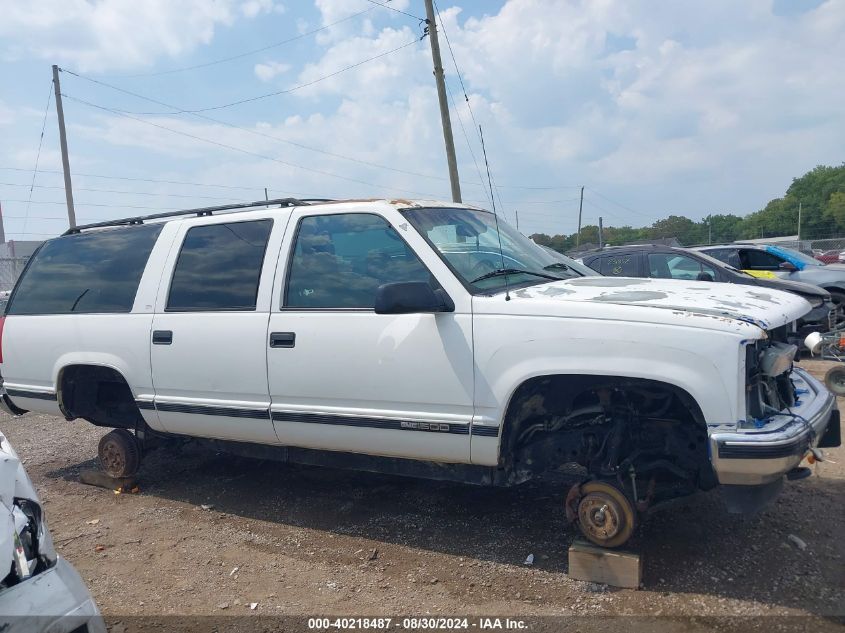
column 834, row 379
column 119, row 453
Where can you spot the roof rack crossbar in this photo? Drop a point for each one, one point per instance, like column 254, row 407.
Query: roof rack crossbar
column 283, row 202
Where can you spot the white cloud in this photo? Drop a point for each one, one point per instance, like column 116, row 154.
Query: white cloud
column 7, row 115
column 252, row 8
column 269, row 70
column 110, row 34
column 690, row 108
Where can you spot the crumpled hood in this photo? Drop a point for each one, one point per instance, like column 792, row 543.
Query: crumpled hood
column 761, row 306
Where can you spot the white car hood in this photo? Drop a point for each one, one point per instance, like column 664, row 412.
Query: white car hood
column 14, row 482
column 764, row 307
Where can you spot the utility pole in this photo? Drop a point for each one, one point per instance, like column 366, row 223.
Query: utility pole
column 71, row 213
column 710, row 229
column 799, row 224
column 580, row 208
column 601, row 226
column 444, row 104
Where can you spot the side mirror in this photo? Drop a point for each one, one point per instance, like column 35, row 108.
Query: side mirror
column 788, row 266
column 411, row 297
column 703, row 276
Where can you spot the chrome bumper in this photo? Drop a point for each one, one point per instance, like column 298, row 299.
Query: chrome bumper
column 760, row 456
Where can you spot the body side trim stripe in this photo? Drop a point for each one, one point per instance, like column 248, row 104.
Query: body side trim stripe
column 35, row 395
column 197, row 409
column 375, row 423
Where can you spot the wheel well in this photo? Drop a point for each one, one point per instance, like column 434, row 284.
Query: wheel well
column 609, row 425
column 99, row 395
column 834, row 289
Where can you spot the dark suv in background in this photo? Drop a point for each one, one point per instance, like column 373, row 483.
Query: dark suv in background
column 666, row 262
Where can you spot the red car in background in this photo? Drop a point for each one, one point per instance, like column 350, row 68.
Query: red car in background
column 829, row 257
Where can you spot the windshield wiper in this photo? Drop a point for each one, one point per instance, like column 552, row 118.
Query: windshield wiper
column 512, row 271
column 563, row 267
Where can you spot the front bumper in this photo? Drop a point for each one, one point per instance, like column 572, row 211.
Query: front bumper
column 760, row 456
column 54, row 601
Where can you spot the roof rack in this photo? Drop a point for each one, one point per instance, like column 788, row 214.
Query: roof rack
column 282, row 202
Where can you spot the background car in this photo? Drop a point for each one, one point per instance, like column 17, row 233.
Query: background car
column 828, row 256
column 667, row 262
column 40, row 590
column 785, row 263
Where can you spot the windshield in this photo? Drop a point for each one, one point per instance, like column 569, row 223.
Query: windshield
column 792, row 255
column 468, row 241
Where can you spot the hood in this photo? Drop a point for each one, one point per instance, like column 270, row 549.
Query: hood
column 764, row 308
column 792, row 286
column 837, row 267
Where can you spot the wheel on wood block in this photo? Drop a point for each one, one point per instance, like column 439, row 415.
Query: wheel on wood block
column 119, row 453
column 605, row 514
column 834, row 379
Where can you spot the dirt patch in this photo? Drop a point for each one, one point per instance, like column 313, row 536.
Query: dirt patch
column 210, row 533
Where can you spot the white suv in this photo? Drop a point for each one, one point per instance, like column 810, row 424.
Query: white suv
column 418, row 338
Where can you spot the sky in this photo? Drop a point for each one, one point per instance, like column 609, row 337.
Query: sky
column 655, row 107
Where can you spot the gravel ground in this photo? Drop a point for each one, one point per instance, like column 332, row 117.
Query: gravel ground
column 212, row 533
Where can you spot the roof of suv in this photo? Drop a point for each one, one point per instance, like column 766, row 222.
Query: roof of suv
column 282, row 203
column 630, row 247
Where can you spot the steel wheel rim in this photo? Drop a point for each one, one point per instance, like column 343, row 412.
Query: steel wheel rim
column 112, row 458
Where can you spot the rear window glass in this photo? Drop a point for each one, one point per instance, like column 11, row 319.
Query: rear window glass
column 219, row 267
column 94, row 272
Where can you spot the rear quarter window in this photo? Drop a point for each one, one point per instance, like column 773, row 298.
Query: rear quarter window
column 94, row 272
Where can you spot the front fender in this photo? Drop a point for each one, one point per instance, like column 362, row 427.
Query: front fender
column 704, row 364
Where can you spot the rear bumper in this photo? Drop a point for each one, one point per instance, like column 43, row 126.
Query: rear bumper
column 54, row 601
column 760, row 456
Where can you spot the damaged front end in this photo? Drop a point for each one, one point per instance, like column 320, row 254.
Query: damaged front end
column 789, row 415
column 38, row 590
column 26, row 548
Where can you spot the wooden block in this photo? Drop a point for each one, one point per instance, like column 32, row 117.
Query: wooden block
column 607, row 566
column 101, row 479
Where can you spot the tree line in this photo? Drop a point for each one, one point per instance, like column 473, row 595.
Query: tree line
column 820, row 194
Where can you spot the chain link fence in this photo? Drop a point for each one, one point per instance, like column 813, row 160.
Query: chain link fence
column 10, row 269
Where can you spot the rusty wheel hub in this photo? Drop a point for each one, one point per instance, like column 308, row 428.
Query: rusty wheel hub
column 600, row 516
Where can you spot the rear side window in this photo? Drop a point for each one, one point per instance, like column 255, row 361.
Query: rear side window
column 219, row 267
column 622, row 265
column 94, row 272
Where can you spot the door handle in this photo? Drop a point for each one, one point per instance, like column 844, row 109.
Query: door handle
column 162, row 337
column 282, row 339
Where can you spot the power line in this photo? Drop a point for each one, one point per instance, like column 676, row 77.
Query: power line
column 38, row 154
column 277, row 93
column 133, row 193
column 152, row 180
column 619, row 204
column 239, row 149
column 246, row 53
column 262, row 134
column 387, row 6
